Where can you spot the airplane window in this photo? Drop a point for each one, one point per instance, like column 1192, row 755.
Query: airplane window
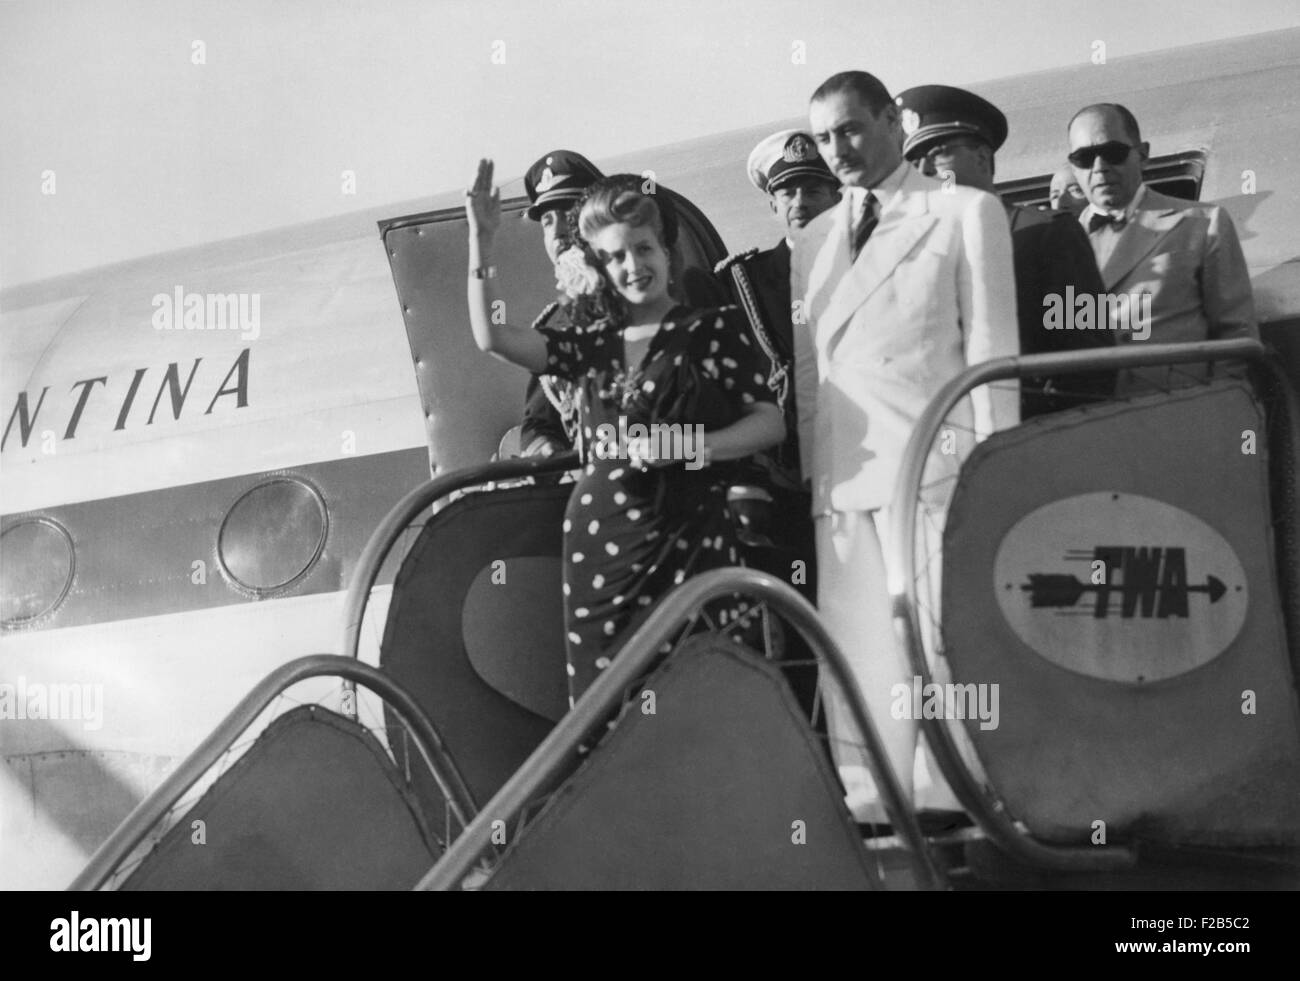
column 36, row 572
column 273, row 535
column 1177, row 174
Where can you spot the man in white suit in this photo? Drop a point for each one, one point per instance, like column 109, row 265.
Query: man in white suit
column 905, row 282
column 1183, row 255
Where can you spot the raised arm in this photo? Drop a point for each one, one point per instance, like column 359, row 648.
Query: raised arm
column 521, row 346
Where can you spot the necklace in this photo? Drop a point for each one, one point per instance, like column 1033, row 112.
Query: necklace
column 624, row 387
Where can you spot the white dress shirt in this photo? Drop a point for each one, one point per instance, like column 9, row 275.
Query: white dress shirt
column 1105, row 239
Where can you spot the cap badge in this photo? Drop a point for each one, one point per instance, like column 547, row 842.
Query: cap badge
column 799, row 148
column 911, row 122
column 547, row 179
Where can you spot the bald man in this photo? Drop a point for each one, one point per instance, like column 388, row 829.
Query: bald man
column 1064, row 194
column 1182, row 255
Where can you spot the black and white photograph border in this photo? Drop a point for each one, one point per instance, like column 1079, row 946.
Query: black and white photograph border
column 887, row 544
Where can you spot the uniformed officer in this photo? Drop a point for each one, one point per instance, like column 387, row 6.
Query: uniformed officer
column 799, row 186
column 954, row 134
column 553, row 184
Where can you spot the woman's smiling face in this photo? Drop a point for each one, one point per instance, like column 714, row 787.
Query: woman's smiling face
column 635, row 262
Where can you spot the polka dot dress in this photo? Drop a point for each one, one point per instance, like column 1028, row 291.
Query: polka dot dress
column 631, row 535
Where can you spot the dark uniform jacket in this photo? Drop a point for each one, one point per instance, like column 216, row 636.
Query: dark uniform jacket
column 1051, row 251
column 769, row 272
column 777, row 470
column 541, row 418
column 769, row 276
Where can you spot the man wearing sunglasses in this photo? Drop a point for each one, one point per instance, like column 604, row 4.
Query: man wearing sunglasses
column 954, row 134
column 1182, row 254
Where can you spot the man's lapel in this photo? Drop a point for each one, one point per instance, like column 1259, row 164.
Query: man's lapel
column 1154, row 219
column 781, row 262
column 904, row 221
column 830, row 263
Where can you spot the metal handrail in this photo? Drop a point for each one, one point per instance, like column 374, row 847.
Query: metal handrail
column 633, row 660
column 988, row 811
column 405, row 511
column 153, row 808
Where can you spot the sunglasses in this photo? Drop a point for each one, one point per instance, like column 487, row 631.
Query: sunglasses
column 1114, row 153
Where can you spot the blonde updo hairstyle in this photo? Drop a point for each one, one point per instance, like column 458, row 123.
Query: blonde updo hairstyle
column 620, row 200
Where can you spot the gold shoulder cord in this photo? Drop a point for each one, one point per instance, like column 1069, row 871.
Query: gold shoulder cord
column 779, row 380
column 548, row 386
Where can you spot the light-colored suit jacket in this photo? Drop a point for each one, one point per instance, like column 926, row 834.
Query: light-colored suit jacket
column 1187, row 256
column 932, row 291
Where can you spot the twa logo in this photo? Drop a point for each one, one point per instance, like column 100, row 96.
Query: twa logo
column 1120, row 587
column 1126, row 580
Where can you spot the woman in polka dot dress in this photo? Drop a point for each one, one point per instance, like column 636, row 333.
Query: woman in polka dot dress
column 638, row 522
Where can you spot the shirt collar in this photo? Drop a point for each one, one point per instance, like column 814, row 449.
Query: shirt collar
column 884, row 191
column 1127, row 214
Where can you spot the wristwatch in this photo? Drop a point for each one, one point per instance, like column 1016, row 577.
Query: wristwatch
column 483, row 272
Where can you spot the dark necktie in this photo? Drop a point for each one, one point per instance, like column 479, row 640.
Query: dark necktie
column 866, row 224
column 1101, row 221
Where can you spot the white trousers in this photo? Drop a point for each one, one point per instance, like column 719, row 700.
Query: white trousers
column 854, row 602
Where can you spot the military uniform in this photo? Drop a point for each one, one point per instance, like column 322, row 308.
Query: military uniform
column 1049, row 251
column 759, row 283
column 554, row 181
column 549, row 413
column 768, row 275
